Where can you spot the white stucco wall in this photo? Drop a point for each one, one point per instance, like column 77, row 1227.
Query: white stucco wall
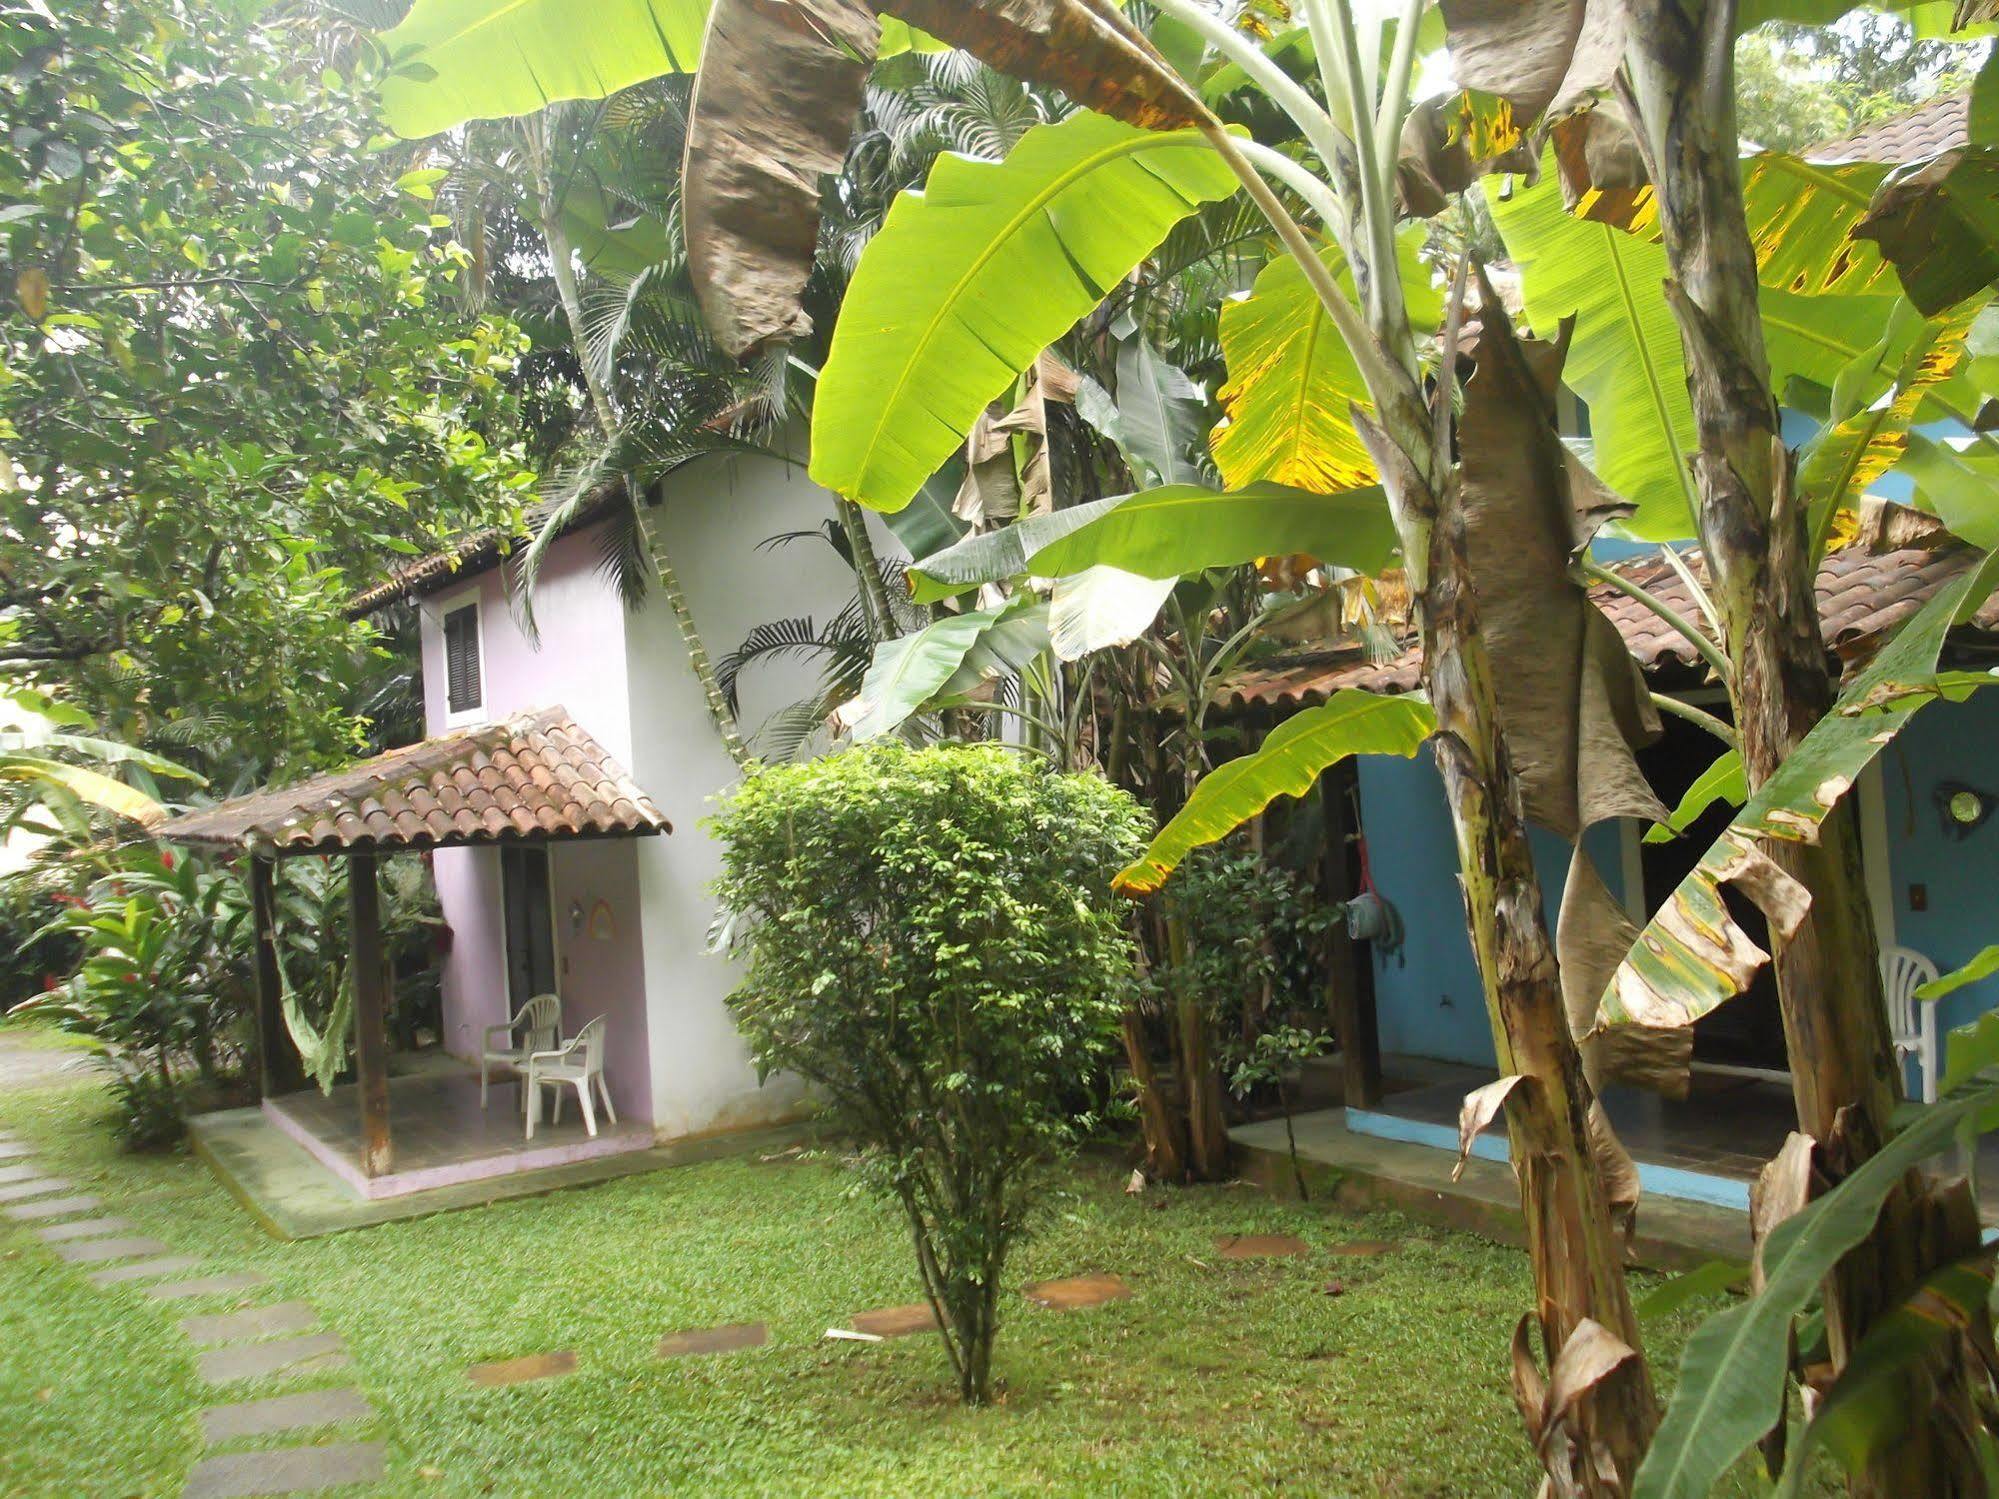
column 626, row 679
column 715, row 514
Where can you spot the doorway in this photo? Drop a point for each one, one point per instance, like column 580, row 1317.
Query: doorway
column 1747, row 1031
column 530, row 922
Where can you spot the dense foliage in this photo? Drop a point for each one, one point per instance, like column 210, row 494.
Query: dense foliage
column 228, row 369
column 932, row 942
column 165, row 980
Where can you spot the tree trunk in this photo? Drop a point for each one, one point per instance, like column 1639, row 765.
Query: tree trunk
column 563, row 269
column 1200, row 1082
column 1164, row 1134
column 1576, row 1252
column 1845, row 1078
column 875, row 606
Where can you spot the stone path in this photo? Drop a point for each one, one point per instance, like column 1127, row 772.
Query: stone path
column 246, row 1341
column 523, row 1370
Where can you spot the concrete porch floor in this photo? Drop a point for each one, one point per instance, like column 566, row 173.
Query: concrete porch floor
column 295, row 1194
column 440, row 1134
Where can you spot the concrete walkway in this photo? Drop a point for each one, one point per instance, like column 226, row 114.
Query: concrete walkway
column 1362, row 1172
column 240, row 1335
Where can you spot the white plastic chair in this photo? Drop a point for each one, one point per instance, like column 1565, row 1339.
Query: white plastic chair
column 1912, row 1021
column 539, row 1024
column 579, row 1064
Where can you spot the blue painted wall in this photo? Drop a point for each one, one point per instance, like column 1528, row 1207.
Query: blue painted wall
column 1946, row 742
column 1427, row 997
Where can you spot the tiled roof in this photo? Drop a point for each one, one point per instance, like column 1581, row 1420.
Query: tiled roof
column 473, row 553
column 1938, row 126
column 533, row 777
column 1862, row 595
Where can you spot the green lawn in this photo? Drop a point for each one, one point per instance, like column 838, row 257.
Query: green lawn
column 1215, row 1377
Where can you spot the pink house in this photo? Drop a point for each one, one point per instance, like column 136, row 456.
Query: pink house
column 589, row 908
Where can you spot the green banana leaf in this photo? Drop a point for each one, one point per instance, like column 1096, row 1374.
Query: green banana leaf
column 1969, row 1049
column 1987, row 962
column 1868, row 1406
column 1292, row 383
column 1101, row 607
column 969, row 280
column 1682, row 1291
column 1625, row 361
column 1960, row 486
column 1155, row 419
column 1167, row 533
column 88, row 786
column 1732, row 1373
column 1693, row 955
column 1721, row 781
column 1350, row 722
column 460, row 60
column 911, row 670
column 487, row 59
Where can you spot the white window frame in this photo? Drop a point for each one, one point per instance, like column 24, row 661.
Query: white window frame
column 445, row 606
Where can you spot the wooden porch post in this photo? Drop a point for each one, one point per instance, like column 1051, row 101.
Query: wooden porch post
column 1351, row 973
column 371, row 1044
column 278, row 1069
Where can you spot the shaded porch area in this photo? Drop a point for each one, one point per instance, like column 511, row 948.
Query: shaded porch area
column 442, row 1134
column 1696, row 1157
column 415, row 1124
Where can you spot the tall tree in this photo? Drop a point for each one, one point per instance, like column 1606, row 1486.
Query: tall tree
column 234, row 387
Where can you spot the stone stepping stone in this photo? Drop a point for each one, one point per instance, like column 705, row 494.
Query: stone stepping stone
column 1360, row 1248
column 255, row 1418
column 207, row 1285
column 117, row 1275
column 1078, row 1291
column 256, row 1322
column 54, row 1207
column 712, row 1340
column 306, row 1355
column 896, row 1321
column 94, row 1251
column 522, row 1370
column 287, row 1470
column 11, row 1150
column 83, row 1228
column 20, row 1191
column 1259, row 1246
column 20, row 1171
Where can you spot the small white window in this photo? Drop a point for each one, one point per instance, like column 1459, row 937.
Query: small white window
column 463, row 691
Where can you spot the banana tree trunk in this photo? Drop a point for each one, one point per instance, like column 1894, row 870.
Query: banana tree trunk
column 563, row 269
column 1845, row 1077
column 1576, row 1251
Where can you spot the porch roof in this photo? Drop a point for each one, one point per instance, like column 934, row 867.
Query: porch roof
column 532, row 778
column 1862, row 596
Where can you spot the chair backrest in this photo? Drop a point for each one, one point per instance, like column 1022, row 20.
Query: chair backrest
column 1902, row 973
column 592, row 1039
column 540, row 1022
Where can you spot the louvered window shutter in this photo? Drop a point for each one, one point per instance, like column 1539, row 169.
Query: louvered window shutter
column 461, row 659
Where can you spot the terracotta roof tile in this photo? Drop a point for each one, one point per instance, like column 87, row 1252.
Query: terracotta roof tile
column 476, row 552
column 1861, row 596
column 1938, row 126
column 536, row 775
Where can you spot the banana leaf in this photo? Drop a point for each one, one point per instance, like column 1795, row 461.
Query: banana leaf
column 1167, row 533
column 1290, row 760
column 1288, row 403
column 1733, row 1371
column 1694, row 955
column 969, row 280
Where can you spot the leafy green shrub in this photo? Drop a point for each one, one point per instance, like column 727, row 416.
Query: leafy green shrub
column 166, row 984
column 932, row 941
